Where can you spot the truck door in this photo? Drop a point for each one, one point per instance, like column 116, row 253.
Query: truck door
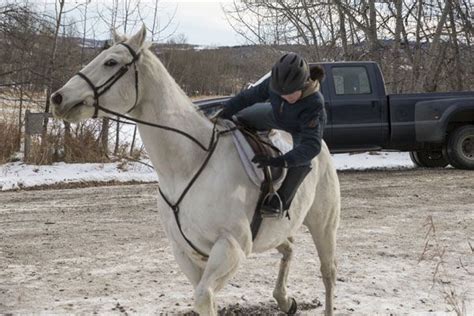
column 355, row 109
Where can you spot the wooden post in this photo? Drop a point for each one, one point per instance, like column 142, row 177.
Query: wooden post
column 133, row 141
column 33, row 126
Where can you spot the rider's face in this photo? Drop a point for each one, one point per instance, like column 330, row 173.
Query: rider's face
column 292, row 97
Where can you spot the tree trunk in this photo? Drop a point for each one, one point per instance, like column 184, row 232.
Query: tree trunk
column 19, row 119
column 67, row 142
column 458, row 71
column 396, row 48
column 436, row 53
column 52, row 61
column 372, row 32
column 417, row 53
column 104, row 135
column 343, row 34
column 117, row 138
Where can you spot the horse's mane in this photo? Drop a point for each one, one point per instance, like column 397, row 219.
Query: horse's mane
column 147, row 50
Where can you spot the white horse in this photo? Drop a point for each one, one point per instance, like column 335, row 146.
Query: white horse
column 216, row 212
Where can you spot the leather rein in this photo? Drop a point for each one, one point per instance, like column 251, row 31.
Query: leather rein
column 210, row 148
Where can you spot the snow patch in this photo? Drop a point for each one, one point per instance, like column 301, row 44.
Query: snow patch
column 18, row 175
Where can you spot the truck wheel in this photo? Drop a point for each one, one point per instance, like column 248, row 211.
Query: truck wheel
column 414, row 159
column 460, row 147
column 429, row 159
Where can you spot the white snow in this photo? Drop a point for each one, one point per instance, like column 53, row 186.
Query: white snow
column 373, row 160
column 20, row 175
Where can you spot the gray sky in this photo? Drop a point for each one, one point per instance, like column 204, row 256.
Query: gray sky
column 204, row 23
column 201, row 22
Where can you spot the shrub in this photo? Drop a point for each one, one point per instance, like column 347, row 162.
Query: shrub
column 10, row 139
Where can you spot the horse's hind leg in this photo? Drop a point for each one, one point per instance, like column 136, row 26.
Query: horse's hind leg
column 223, row 261
column 323, row 230
column 286, row 304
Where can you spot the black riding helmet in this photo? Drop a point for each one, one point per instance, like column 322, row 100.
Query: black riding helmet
column 289, row 74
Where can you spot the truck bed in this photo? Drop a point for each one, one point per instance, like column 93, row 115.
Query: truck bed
column 402, row 115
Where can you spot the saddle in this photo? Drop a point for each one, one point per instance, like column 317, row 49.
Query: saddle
column 249, row 143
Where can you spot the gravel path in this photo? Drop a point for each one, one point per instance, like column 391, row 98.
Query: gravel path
column 103, row 250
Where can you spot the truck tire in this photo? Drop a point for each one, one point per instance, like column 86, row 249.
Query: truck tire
column 429, row 159
column 460, row 147
column 414, row 159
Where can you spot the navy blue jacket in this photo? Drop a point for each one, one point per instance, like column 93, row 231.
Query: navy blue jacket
column 304, row 119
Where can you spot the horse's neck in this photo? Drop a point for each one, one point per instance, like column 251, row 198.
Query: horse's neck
column 175, row 157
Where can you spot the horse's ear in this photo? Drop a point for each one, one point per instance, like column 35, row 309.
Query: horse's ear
column 138, row 39
column 117, row 37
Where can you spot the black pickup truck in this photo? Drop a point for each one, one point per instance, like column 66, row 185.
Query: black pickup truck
column 436, row 128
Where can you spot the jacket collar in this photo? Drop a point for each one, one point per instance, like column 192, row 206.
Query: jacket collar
column 311, row 88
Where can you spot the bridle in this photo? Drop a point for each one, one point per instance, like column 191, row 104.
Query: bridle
column 100, row 90
column 103, row 88
column 210, row 148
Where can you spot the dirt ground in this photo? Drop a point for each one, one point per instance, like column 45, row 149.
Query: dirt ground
column 102, row 250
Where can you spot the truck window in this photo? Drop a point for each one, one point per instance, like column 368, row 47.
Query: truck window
column 351, row 80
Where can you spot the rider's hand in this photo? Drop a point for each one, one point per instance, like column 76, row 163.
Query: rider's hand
column 220, row 114
column 266, row 161
column 225, row 114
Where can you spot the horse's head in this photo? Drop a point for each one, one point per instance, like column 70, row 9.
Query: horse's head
column 108, row 83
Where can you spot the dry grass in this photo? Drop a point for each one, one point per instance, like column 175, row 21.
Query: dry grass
column 435, row 251
column 80, row 145
column 10, row 139
column 84, row 147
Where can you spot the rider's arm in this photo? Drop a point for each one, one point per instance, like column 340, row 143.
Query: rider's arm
column 312, row 127
column 246, row 98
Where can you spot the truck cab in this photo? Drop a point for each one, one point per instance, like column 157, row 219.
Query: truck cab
column 356, row 105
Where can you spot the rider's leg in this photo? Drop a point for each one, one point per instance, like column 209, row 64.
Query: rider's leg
column 287, row 191
column 258, row 116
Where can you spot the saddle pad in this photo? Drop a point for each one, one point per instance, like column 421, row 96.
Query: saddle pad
column 246, row 154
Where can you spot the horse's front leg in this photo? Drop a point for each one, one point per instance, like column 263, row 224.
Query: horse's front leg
column 285, row 303
column 192, row 271
column 224, row 259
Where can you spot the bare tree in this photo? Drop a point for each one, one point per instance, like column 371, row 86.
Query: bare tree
column 456, row 53
column 437, row 51
column 158, row 29
column 364, row 17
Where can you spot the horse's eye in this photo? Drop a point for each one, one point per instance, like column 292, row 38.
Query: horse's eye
column 110, row 63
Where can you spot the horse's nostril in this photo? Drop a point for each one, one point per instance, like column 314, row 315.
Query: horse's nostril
column 57, row 98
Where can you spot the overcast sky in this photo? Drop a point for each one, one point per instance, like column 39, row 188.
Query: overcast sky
column 204, row 22
column 201, row 22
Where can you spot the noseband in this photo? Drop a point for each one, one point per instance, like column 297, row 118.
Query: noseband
column 100, row 90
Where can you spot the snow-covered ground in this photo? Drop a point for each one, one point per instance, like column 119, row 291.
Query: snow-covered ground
column 19, row 175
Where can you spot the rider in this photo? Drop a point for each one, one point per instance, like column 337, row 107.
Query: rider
column 297, row 107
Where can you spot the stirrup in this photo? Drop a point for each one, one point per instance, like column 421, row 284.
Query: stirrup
column 267, row 198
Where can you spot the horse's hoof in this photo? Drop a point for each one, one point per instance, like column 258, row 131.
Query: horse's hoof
column 293, row 307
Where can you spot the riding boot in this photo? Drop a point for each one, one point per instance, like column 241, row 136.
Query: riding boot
column 276, row 205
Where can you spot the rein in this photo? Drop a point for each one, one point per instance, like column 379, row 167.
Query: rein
column 210, row 148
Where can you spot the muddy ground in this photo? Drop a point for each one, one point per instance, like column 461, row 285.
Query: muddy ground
column 102, row 250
